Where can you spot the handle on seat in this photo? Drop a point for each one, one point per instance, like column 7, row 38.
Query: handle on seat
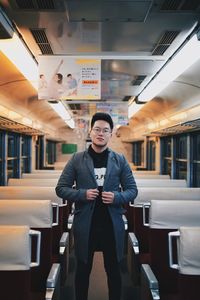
column 144, row 208
column 56, row 206
column 37, row 234
column 171, row 235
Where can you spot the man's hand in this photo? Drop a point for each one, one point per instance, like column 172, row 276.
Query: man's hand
column 107, row 197
column 91, row 194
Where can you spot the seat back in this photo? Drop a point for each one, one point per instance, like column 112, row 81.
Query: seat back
column 165, row 216
column 15, row 261
column 36, row 214
column 32, row 182
column 160, row 182
column 41, row 193
column 145, row 195
column 188, row 261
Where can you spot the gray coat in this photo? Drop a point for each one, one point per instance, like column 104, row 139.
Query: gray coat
column 79, row 171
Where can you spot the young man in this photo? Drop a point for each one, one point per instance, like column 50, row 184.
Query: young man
column 103, row 184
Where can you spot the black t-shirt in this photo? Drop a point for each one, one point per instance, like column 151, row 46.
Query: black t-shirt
column 101, row 217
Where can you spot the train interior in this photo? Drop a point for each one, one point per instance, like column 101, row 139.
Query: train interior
column 148, row 60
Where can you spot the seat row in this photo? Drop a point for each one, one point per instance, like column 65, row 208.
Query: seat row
column 24, row 210
column 155, row 213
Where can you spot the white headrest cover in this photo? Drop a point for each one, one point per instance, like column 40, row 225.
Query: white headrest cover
column 25, row 192
column 14, row 248
column 189, row 251
column 173, row 214
column 33, row 213
column 147, row 194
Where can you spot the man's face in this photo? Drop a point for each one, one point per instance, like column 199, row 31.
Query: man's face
column 100, row 133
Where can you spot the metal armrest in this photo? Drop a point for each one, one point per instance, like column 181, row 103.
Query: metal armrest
column 134, row 242
column 64, row 241
column 70, row 221
column 53, row 276
column 151, row 281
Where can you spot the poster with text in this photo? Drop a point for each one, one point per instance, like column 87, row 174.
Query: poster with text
column 63, row 77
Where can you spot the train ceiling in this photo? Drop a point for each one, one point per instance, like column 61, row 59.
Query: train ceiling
column 134, row 39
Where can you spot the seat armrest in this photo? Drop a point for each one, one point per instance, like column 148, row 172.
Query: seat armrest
column 134, row 242
column 64, row 242
column 150, row 283
column 53, row 276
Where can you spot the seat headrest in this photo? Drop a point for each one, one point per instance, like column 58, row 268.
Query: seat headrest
column 147, row 194
column 14, row 248
column 189, row 251
column 33, row 213
column 173, row 214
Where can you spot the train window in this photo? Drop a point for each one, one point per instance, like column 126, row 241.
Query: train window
column 181, row 147
column 166, row 155
column 181, row 157
column 50, row 152
column 12, row 155
column 167, row 147
column 138, row 153
column 25, row 154
column 151, row 153
column 196, row 159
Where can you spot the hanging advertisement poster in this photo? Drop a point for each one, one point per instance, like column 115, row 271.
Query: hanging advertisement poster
column 118, row 111
column 64, row 77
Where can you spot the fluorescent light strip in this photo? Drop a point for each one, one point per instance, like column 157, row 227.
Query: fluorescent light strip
column 186, row 57
column 17, row 52
column 62, row 111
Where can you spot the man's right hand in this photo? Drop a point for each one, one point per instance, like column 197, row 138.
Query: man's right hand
column 91, row 194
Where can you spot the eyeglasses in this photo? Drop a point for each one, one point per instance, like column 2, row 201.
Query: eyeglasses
column 105, row 131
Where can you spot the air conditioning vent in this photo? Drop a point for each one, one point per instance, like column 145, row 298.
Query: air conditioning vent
column 75, row 106
column 165, row 41
column 180, row 5
column 42, row 40
column 138, row 79
column 126, row 98
column 39, row 5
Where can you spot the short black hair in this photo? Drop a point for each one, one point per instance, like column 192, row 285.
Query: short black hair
column 102, row 116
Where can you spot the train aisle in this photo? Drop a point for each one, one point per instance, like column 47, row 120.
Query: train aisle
column 98, row 284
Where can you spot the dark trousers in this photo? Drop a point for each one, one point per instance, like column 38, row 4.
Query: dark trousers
column 100, row 240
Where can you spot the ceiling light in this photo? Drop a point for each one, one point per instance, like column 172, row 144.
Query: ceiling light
column 181, row 61
column 16, row 51
column 63, row 112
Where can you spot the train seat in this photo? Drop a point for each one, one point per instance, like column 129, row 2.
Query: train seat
column 188, row 261
column 38, row 215
column 160, row 182
column 16, row 261
column 41, row 193
column 150, row 176
column 165, row 216
column 43, row 175
column 32, row 182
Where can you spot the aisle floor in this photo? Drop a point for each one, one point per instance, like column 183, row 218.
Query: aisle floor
column 98, row 285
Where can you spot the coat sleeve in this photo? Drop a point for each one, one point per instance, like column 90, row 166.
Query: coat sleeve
column 129, row 189
column 67, row 180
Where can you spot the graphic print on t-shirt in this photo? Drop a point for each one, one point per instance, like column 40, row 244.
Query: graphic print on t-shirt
column 100, row 175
